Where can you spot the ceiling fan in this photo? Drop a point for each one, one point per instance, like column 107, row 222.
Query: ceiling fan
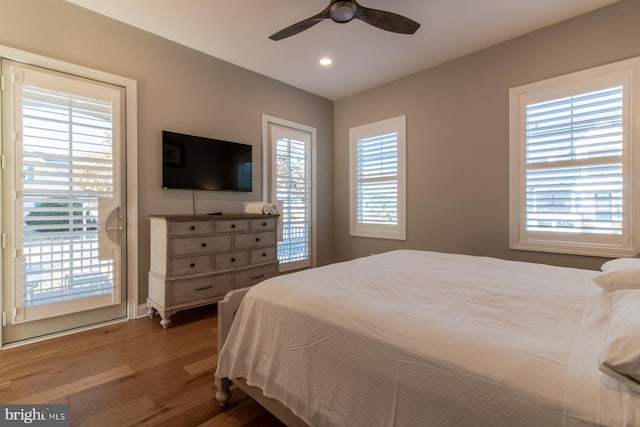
column 343, row 11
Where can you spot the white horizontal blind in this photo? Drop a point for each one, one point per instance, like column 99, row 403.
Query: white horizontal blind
column 293, row 189
column 67, row 165
column 377, row 193
column 574, row 176
column 377, row 179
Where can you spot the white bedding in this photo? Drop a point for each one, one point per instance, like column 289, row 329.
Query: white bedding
column 411, row 338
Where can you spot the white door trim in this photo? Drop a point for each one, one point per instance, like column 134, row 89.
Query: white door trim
column 131, row 105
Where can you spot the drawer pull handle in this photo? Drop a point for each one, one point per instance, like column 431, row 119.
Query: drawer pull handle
column 204, row 288
column 233, row 260
column 193, row 227
column 257, row 239
column 264, row 224
column 192, row 265
column 257, row 277
column 204, row 245
column 233, row 226
column 264, row 254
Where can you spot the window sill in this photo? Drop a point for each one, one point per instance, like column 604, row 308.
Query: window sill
column 595, row 250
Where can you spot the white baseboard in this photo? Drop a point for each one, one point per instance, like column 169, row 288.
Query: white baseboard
column 142, row 311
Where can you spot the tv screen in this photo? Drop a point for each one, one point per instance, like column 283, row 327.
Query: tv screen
column 198, row 163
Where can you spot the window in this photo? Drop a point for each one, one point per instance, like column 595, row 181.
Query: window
column 289, row 180
column 571, row 163
column 377, row 173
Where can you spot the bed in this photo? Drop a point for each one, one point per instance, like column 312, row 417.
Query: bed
column 414, row 338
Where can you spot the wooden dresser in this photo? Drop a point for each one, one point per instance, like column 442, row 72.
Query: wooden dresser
column 197, row 259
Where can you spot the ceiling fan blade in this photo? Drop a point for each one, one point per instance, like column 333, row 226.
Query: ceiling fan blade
column 300, row 26
column 385, row 20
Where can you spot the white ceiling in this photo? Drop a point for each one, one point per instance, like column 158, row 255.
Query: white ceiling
column 363, row 56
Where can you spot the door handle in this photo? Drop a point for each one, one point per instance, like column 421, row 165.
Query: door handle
column 111, row 227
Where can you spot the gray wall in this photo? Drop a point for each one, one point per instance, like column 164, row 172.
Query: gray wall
column 179, row 89
column 457, row 121
column 458, row 135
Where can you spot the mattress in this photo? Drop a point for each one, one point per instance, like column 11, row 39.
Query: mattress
column 413, row 338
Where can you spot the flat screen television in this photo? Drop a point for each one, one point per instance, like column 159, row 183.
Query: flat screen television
column 197, row 163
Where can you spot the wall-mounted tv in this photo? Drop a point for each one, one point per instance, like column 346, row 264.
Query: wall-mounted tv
column 197, row 163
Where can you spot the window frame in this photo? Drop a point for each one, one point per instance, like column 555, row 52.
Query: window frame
column 380, row 231
column 625, row 73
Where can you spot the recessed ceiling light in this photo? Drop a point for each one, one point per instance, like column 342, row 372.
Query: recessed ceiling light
column 326, row 62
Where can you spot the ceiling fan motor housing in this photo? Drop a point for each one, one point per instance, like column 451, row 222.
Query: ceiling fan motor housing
column 343, row 11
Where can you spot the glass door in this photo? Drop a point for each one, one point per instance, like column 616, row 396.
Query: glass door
column 291, row 185
column 63, row 202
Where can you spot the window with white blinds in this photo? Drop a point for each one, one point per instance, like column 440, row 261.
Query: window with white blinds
column 66, row 166
column 583, row 133
column 377, row 179
column 571, row 163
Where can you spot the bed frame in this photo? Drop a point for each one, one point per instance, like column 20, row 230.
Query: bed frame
column 227, row 309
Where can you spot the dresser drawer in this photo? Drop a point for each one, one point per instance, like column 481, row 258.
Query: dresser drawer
column 227, row 226
column 251, row 240
column 263, row 255
column 188, row 228
column 263, row 224
column 195, row 245
column 191, row 265
column 251, row 276
column 193, row 290
column 229, row 260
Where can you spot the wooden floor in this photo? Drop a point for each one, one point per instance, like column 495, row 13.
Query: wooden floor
column 130, row 374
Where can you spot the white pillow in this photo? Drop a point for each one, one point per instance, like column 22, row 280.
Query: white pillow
column 618, row 280
column 620, row 355
column 621, row 264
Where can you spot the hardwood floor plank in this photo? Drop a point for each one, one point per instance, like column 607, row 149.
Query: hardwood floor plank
column 161, row 353
column 203, row 365
column 56, row 371
column 156, row 383
column 118, row 415
column 178, row 407
column 23, row 366
column 131, row 374
column 237, row 416
column 66, row 389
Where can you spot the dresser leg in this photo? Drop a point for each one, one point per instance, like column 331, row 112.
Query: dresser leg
column 151, row 312
column 165, row 321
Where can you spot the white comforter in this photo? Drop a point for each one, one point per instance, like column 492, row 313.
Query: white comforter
column 412, row 338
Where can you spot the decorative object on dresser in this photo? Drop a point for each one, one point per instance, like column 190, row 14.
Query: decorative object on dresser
column 197, row 259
